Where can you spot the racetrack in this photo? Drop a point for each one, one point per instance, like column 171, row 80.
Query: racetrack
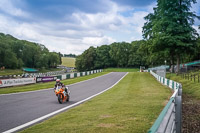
column 18, row 109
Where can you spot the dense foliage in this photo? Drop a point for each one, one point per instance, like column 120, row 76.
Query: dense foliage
column 169, row 30
column 134, row 54
column 117, row 54
column 16, row 53
column 69, row 55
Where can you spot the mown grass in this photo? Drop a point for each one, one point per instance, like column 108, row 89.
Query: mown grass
column 131, row 106
column 121, row 70
column 49, row 70
column 40, row 86
column 11, row 72
column 19, row 71
column 68, row 61
column 190, row 88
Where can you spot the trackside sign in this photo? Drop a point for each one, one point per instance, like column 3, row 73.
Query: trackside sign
column 14, row 82
column 45, row 79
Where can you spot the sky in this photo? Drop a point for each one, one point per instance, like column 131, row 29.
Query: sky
column 72, row 26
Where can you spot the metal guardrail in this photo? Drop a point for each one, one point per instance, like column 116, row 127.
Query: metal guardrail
column 23, row 81
column 25, row 75
column 169, row 120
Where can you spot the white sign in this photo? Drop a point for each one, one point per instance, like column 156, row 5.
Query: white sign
column 14, row 82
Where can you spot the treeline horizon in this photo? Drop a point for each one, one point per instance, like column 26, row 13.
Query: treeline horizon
column 15, row 53
column 128, row 55
column 69, row 55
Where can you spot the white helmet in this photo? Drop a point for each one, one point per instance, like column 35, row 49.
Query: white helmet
column 57, row 80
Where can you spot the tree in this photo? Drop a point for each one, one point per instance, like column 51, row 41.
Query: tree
column 53, row 59
column 170, row 29
column 16, row 53
column 138, row 54
column 119, row 52
column 80, row 64
column 86, row 60
column 103, row 58
column 60, row 57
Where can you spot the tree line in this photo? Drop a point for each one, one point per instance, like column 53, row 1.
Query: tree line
column 118, row 54
column 15, row 53
column 69, row 55
column 168, row 35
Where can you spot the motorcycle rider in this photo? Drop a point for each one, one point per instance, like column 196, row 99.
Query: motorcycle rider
column 58, row 83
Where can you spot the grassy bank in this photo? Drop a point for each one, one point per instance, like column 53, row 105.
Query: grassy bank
column 40, row 86
column 190, row 88
column 131, row 106
column 68, row 61
column 11, row 72
column 121, row 70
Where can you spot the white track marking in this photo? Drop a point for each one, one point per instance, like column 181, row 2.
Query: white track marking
column 58, row 111
column 52, row 88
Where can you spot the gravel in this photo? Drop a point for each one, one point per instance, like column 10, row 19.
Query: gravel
column 190, row 115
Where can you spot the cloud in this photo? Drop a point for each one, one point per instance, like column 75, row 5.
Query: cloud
column 97, row 41
column 78, row 32
column 74, row 26
column 8, row 7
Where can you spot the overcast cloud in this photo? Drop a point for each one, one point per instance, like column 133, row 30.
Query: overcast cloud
column 72, row 26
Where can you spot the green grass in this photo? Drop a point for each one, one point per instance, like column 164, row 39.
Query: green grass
column 11, row 72
column 19, row 71
column 121, row 70
column 40, row 86
column 190, row 88
column 68, row 61
column 131, row 106
column 49, row 70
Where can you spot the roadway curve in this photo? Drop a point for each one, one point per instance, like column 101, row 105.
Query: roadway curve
column 18, row 109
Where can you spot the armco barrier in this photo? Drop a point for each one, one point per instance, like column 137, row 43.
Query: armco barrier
column 15, row 82
column 23, row 81
column 169, row 120
column 45, row 79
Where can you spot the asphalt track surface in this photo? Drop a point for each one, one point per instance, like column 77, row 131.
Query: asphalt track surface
column 18, row 109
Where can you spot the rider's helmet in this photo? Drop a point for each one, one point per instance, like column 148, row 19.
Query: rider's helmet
column 57, row 80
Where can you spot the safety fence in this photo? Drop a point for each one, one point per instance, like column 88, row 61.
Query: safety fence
column 169, row 120
column 32, row 75
column 192, row 77
column 23, row 81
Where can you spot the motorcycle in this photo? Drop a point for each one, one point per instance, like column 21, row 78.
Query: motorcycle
column 62, row 93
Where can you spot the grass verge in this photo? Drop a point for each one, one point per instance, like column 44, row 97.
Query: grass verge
column 121, row 70
column 40, row 86
column 131, row 106
column 11, row 72
column 190, row 88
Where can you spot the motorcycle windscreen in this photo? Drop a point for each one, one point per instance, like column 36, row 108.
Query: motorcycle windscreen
column 58, row 87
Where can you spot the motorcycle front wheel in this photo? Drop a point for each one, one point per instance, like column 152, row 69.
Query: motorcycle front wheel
column 67, row 98
column 60, row 98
